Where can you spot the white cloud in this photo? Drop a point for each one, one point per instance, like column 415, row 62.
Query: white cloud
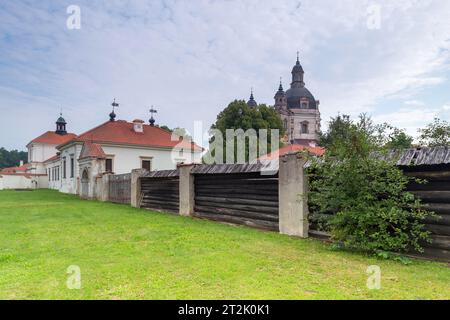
column 189, row 59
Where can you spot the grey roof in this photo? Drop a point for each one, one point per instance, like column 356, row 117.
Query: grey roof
column 297, row 68
column 61, row 120
column 294, row 95
column 252, row 102
column 421, row 156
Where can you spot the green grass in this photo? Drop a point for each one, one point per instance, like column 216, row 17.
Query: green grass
column 127, row 253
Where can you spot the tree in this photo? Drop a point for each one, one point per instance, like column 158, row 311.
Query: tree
column 398, row 139
column 338, row 129
column 12, row 158
column 435, row 134
column 382, row 135
column 361, row 197
column 238, row 115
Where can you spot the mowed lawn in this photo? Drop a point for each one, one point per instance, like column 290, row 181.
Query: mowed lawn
column 126, row 253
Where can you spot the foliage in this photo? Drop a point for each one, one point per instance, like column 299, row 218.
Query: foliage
column 364, row 195
column 398, row 139
column 382, row 135
column 435, row 134
column 238, row 115
column 129, row 253
column 12, row 158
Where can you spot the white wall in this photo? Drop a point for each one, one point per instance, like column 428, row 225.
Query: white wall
column 16, row 182
column 128, row 158
column 68, row 184
column 39, row 152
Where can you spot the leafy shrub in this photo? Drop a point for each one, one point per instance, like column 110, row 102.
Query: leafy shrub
column 365, row 195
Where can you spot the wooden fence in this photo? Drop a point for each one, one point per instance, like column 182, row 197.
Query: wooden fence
column 241, row 194
column 160, row 191
column 247, row 198
column 120, row 188
column 435, row 195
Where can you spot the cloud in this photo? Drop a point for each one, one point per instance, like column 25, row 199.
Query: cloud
column 190, row 59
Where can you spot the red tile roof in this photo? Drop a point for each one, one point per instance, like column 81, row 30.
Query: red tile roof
column 122, row 132
column 92, row 150
column 15, row 169
column 293, row 148
column 55, row 157
column 50, row 137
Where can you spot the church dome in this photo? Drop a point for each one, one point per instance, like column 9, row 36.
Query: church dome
column 294, row 95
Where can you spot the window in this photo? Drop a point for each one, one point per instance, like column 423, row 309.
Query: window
column 64, row 168
column 285, row 124
column 147, row 165
column 72, row 167
column 49, row 174
column 304, row 128
column 109, row 165
column 304, row 104
column 57, row 173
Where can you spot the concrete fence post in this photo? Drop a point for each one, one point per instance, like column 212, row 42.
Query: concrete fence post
column 136, row 186
column 104, row 188
column 187, row 194
column 293, row 200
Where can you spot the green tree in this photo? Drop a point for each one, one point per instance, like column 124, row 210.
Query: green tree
column 398, row 139
column 382, row 135
column 12, row 158
column 238, row 115
column 361, row 197
column 435, row 134
column 338, row 129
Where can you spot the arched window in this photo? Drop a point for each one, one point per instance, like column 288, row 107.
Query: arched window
column 285, row 123
column 304, row 127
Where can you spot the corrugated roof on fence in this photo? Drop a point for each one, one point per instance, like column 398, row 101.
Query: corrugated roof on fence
column 235, row 168
column 421, row 156
column 162, row 174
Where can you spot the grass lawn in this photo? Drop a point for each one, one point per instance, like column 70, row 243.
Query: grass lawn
column 127, row 253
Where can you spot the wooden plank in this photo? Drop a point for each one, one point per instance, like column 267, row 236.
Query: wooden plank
column 438, row 229
column 438, row 242
column 238, row 201
column 237, row 213
column 238, row 207
column 431, row 185
column 430, row 175
column 433, row 196
column 261, row 197
column 260, row 224
column 438, row 208
column 440, row 220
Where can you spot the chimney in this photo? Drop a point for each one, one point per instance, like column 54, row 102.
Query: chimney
column 138, row 126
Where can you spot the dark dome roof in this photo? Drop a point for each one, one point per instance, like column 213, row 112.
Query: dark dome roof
column 61, row 120
column 252, row 103
column 294, row 95
column 297, row 68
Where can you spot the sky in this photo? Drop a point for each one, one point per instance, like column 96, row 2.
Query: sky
column 190, row 58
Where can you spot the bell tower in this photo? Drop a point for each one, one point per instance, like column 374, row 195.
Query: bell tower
column 61, row 125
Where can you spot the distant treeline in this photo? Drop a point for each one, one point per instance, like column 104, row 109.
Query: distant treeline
column 12, row 158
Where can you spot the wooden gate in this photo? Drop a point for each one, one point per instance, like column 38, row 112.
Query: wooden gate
column 247, row 198
column 160, row 190
column 120, row 188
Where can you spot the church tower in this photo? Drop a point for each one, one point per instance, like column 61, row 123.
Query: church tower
column 252, row 102
column 299, row 110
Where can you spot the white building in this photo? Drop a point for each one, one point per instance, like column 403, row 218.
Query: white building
column 72, row 163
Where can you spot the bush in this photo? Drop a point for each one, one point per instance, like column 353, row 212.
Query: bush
column 365, row 195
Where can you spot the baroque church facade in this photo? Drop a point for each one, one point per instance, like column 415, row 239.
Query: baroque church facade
column 298, row 109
